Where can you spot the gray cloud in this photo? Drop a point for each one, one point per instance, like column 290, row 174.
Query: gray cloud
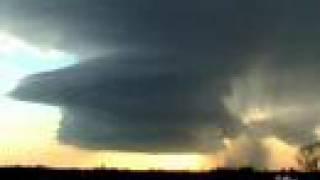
column 167, row 26
column 184, row 74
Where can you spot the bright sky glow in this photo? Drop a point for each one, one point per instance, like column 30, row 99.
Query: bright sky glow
column 255, row 115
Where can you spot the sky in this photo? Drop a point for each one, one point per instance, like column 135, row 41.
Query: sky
column 158, row 84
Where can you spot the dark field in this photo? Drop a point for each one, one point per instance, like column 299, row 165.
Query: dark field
column 66, row 174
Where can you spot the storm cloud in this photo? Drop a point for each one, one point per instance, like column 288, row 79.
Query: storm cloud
column 176, row 76
column 134, row 105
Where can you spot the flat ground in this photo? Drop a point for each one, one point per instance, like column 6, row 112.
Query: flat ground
column 66, row 174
